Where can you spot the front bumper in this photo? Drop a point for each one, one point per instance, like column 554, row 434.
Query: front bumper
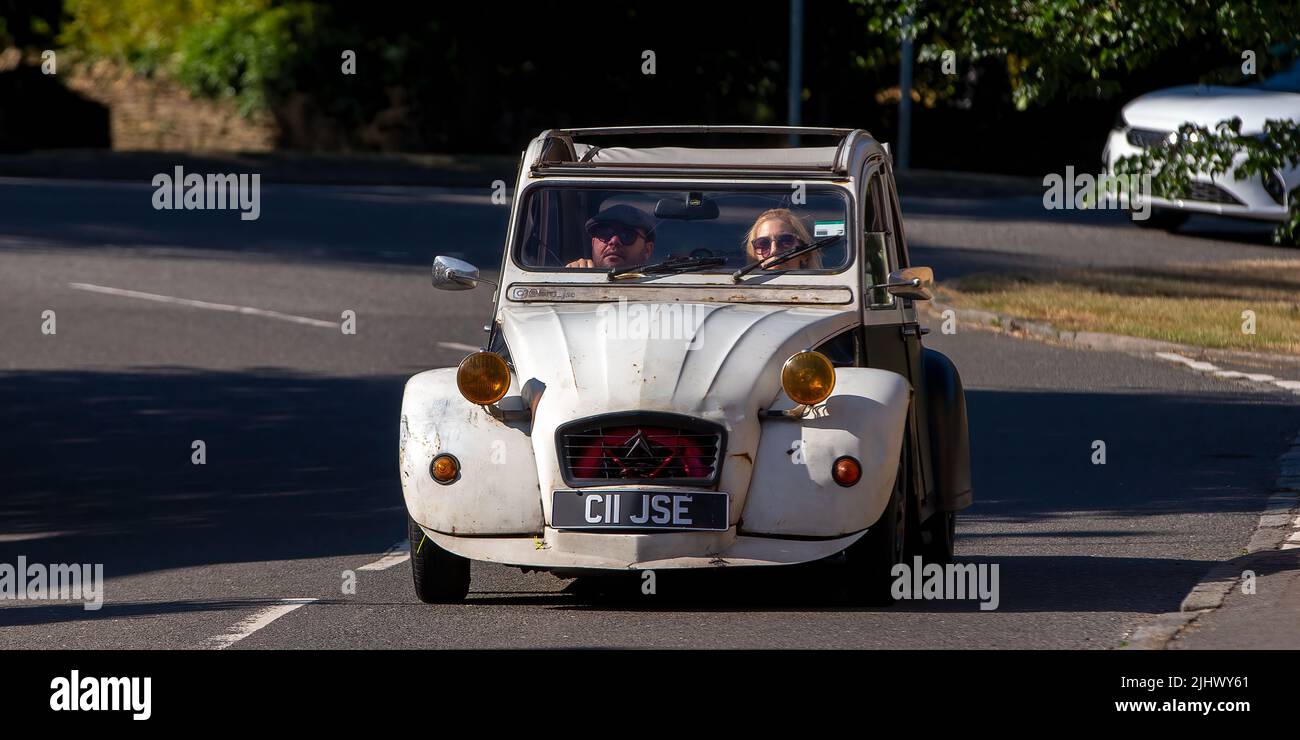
column 566, row 549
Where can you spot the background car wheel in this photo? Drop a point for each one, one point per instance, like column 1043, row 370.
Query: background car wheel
column 440, row 576
column 875, row 554
column 1168, row 219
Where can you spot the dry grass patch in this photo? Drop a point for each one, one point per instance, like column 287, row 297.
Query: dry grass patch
column 1196, row 304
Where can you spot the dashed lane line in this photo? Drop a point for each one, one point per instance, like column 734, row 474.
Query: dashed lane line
column 458, row 346
column 395, row 555
column 1218, row 372
column 191, row 303
column 257, row 621
column 398, row 553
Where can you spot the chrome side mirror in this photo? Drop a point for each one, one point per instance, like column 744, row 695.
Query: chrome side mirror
column 916, row 283
column 450, row 273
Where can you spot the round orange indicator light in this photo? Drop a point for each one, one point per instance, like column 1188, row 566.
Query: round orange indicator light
column 444, row 468
column 846, row 471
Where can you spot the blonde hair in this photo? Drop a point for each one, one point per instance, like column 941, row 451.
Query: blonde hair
column 784, row 215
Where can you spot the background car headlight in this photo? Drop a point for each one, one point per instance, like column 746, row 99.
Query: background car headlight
column 1274, row 187
column 483, row 378
column 808, row 377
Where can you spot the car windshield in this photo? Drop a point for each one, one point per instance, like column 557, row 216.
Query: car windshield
column 709, row 230
column 1287, row 80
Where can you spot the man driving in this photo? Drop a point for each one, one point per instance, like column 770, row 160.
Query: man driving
column 621, row 235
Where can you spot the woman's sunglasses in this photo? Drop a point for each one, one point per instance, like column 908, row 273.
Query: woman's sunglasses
column 784, row 241
column 625, row 234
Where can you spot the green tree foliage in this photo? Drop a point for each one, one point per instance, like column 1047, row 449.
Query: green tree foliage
column 246, row 52
column 28, row 23
column 1063, row 48
column 141, row 33
column 242, row 49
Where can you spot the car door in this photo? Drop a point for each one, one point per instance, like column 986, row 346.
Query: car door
column 882, row 313
column 891, row 329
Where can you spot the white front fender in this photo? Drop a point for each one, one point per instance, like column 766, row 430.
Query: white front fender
column 497, row 492
column 792, row 492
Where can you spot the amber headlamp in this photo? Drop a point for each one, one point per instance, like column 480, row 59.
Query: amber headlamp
column 483, row 378
column 808, row 377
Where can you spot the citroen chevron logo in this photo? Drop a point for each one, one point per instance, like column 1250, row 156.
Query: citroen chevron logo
column 637, row 446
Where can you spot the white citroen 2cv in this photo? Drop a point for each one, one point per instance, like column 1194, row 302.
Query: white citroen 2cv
column 698, row 357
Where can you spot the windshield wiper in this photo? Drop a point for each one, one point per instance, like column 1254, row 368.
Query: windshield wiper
column 669, row 266
column 783, row 257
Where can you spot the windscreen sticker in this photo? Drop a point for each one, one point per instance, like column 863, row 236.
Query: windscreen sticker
column 827, row 228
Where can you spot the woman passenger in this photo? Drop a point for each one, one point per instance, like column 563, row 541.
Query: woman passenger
column 777, row 230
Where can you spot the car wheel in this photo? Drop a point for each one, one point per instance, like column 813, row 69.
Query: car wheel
column 1167, row 219
column 872, row 558
column 939, row 537
column 440, row 576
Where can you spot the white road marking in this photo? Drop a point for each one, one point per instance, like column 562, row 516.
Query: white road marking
column 204, row 304
column 257, row 621
column 398, row 553
column 458, row 346
column 1206, row 367
column 1256, row 377
column 28, row 536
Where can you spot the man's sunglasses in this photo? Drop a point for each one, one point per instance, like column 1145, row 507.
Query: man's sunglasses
column 625, row 234
column 784, row 241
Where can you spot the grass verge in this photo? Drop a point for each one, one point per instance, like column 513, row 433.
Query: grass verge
column 1197, row 304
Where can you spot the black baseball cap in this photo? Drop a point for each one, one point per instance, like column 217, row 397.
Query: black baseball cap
column 626, row 215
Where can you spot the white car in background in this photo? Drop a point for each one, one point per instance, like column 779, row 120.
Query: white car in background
column 1152, row 119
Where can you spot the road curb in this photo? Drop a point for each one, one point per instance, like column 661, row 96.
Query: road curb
column 1278, row 529
column 1045, row 331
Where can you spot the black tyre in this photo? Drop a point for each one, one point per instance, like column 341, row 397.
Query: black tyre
column 440, row 576
column 872, row 558
column 938, row 537
column 1168, row 219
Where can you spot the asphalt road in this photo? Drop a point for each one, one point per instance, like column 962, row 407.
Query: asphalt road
column 299, row 421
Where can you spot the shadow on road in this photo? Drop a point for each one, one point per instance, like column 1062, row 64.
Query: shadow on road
column 402, row 226
column 95, row 467
column 1026, row 584
column 1030, row 209
column 54, row 613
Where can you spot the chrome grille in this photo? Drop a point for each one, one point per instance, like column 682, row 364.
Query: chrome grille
column 1208, row 192
column 1201, row 192
column 667, row 449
